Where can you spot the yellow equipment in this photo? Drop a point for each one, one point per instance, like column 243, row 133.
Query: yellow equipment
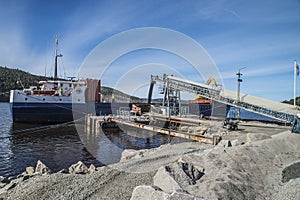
column 212, row 81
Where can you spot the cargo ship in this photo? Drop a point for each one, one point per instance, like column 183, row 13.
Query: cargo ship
column 57, row 100
column 51, row 102
column 207, row 108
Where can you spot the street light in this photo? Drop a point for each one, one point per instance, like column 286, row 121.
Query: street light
column 239, row 80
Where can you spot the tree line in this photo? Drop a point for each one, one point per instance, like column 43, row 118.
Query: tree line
column 16, row 79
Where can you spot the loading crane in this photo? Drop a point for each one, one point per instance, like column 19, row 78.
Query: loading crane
column 213, row 82
column 173, row 85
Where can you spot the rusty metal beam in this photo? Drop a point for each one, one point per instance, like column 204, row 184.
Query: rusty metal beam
column 211, row 140
column 184, row 121
column 93, row 123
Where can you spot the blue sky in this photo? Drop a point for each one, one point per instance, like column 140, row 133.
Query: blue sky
column 262, row 35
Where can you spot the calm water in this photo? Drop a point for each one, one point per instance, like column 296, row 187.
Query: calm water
column 21, row 145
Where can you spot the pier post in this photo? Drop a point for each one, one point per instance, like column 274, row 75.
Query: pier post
column 216, row 139
column 88, row 124
column 85, row 122
column 94, row 125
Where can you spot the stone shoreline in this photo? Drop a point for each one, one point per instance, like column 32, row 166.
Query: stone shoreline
column 183, row 171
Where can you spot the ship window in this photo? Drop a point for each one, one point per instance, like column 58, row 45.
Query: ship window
column 70, row 85
column 78, row 90
column 25, row 99
column 61, row 85
column 60, row 99
column 78, row 99
column 43, row 99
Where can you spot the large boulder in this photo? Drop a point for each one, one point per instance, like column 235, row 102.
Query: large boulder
column 186, row 173
column 164, row 180
column 91, row 169
column 177, row 176
column 78, row 168
column 30, row 170
column 41, row 168
column 4, row 179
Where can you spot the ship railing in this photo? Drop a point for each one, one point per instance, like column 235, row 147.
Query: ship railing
column 123, row 113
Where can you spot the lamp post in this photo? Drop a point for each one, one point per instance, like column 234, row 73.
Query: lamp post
column 296, row 73
column 239, row 80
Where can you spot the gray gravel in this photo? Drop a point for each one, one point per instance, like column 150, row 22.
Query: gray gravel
column 250, row 171
column 104, row 184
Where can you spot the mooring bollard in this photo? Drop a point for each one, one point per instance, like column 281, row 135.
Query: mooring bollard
column 216, row 139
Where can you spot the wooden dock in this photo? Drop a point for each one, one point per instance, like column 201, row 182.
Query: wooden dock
column 93, row 124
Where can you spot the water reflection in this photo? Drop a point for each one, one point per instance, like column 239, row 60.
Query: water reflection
column 57, row 147
column 60, row 146
column 21, row 145
column 108, row 144
column 6, row 155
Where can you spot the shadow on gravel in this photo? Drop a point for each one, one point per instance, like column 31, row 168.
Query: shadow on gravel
column 291, row 172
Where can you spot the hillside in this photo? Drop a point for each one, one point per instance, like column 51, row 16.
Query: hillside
column 119, row 96
column 291, row 101
column 17, row 79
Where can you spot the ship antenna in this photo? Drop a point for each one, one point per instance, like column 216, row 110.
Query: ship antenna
column 56, row 56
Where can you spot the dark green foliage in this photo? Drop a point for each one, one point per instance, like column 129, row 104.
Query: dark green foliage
column 14, row 79
column 291, row 101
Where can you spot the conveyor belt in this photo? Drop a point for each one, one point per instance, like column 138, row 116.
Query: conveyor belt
column 273, row 109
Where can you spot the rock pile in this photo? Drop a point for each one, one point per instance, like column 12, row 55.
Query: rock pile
column 169, row 181
column 41, row 169
column 231, row 171
column 264, row 169
column 80, row 168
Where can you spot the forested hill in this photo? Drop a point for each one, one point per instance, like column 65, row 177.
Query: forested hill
column 11, row 79
column 291, row 101
column 16, row 79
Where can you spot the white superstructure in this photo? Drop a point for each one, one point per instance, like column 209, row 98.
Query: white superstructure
column 51, row 92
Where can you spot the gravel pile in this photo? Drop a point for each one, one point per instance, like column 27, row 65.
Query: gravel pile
column 188, row 170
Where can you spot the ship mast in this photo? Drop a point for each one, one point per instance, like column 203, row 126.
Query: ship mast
column 56, row 56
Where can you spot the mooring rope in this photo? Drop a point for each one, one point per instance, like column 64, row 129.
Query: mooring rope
column 46, row 127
